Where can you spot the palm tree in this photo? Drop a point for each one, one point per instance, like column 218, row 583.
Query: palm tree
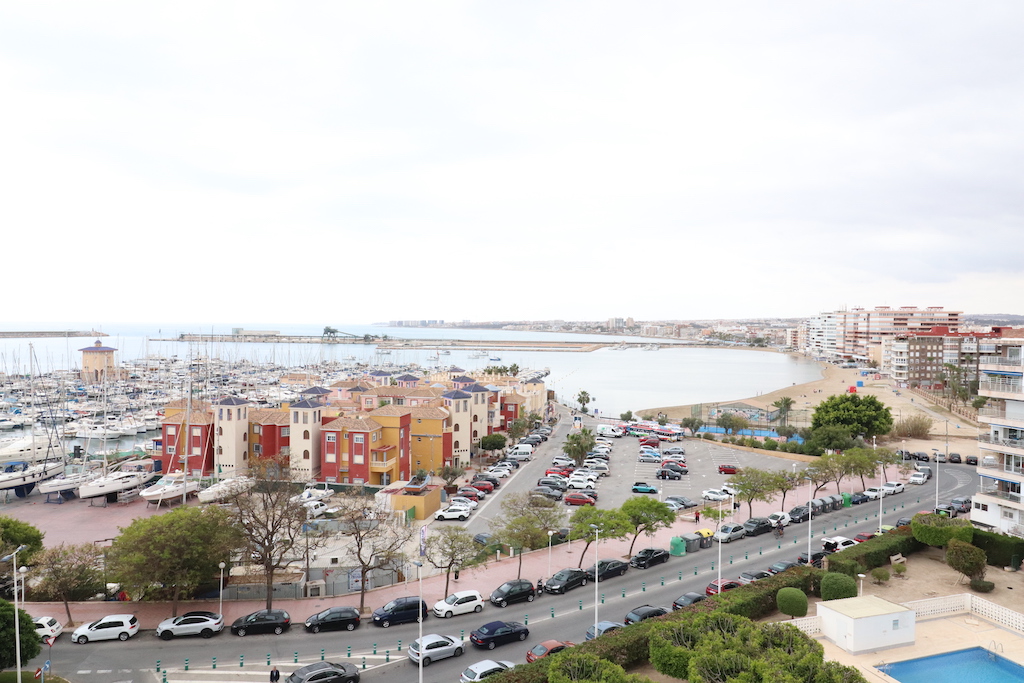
column 583, row 398
column 784, row 404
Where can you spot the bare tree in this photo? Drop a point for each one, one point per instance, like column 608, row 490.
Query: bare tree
column 451, row 549
column 68, row 572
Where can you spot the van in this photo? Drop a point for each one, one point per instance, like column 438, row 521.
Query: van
column 522, row 451
column 609, row 430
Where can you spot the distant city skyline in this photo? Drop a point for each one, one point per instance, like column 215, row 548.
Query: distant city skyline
column 534, row 160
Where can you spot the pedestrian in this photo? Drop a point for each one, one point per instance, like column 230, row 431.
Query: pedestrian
column 456, row 573
column 275, row 675
column 696, row 516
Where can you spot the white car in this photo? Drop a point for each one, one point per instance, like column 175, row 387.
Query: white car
column 779, row 518
column 918, row 478
column 582, row 483
column 48, row 627
column 730, row 489
column 600, row 469
column 673, row 505
column 714, row 494
column 874, row 493
column 454, row 512
column 459, row 602
column 892, row 487
column 204, row 624
column 111, row 627
column 559, row 461
column 483, row 669
column 499, row 472
column 464, row 502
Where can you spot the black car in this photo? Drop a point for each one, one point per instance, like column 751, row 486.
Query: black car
column 971, row 460
column 946, row 510
column 588, row 492
column 903, row 521
column 781, row 566
column 799, row 514
column 608, row 569
column 334, row 619
column 921, row 456
column 513, row 463
column 495, row 633
column 858, row 498
column 816, row 558
column 755, row 526
column 648, row 557
column 325, row 672
column 264, row 621
column 665, row 473
column 687, row 599
column 517, row 590
column 961, row 504
column 954, row 457
column 644, row 612
column 483, row 539
column 675, row 468
column 400, row 611
column 682, row 500
column 565, row 580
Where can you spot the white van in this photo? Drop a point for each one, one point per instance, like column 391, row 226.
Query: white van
column 609, row 430
column 523, row 451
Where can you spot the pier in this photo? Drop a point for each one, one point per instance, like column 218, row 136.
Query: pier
column 52, row 333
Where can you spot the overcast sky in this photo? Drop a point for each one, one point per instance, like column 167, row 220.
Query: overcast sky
column 362, row 161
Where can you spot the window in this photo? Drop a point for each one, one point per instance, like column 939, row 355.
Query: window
column 358, row 438
column 286, row 431
column 305, row 433
column 257, row 429
column 220, row 431
column 220, row 413
column 305, row 455
column 171, row 430
column 373, row 437
column 197, row 431
column 239, row 413
column 332, row 438
column 455, row 445
column 305, row 418
column 220, row 450
column 895, row 624
column 170, row 450
column 229, row 415
column 456, row 427
column 295, row 417
column 257, row 448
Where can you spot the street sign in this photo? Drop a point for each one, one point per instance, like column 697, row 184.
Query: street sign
column 46, row 665
column 39, row 672
column 49, row 640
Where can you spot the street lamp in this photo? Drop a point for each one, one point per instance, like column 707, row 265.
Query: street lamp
column 220, row 607
column 810, row 517
column 881, row 495
column 13, row 558
column 551, row 533
column 419, row 576
column 861, row 591
column 597, row 571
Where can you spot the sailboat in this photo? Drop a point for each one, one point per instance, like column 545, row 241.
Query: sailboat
column 225, row 489
column 173, row 486
column 132, row 474
column 74, row 476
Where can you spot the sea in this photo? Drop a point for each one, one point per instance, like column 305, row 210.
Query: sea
column 616, row 380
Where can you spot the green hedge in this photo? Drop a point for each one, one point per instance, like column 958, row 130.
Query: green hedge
column 874, row 552
column 630, row 646
column 999, row 548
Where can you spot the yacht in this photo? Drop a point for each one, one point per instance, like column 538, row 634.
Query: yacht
column 313, row 491
column 170, row 487
column 226, row 488
column 132, row 474
column 23, row 477
column 73, row 477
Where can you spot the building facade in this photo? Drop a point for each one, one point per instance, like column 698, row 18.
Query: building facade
column 857, row 334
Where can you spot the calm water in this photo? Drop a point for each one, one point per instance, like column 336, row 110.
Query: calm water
column 618, row 380
column 976, row 665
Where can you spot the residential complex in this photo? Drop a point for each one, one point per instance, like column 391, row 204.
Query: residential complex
column 857, row 334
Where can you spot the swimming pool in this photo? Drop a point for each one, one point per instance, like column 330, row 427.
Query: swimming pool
column 976, row 665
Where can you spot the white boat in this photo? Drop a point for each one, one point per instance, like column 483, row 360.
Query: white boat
column 313, row 491
column 132, row 474
column 28, row 447
column 23, row 477
column 170, row 487
column 494, row 358
column 225, row 489
column 73, row 477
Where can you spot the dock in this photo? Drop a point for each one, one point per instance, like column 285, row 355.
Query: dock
column 52, row 333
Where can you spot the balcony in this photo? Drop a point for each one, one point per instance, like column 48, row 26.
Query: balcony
column 996, row 411
column 1006, row 390
column 383, row 464
column 1002, row 362
column 995, row 492
column 1000, row 443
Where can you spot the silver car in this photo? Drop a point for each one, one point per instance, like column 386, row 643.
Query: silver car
column 203, row 624
column 648, row 457
column 730, row 532
column 433, row 647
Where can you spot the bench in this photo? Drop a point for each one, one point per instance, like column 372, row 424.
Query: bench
column 897, row 559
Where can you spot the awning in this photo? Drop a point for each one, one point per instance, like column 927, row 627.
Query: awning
column 1007, row 373
column 986, row 475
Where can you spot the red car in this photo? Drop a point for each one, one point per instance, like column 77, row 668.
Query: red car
column 578, row 499
column 721, row 585
column 469, row 492
column 860, row 538
column 548, row 647
column 728, row 469
column 485, row 486
column 561, row 471
column 650, row 441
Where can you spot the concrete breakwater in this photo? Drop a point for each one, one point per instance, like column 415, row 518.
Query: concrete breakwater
column 52, row 333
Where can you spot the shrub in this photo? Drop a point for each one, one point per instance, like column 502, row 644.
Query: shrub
column 880, row 574
column 838, row 586
column 965, row 558
column 982, row 586
column 999, row 548
column 709, row 436
column 771, row 445
column 874, row 552
column 899, row 570
column 938, row 530
column 791, row 601
column 914, row 427
column 574, row 666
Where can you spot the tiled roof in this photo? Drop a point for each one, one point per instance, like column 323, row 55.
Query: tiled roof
column 513, row 398
column 407, row 378
column 307, row 403
column 353, row 424
column 475, row 389
column 390, row 391
column 455, row 368
column 429, row 413
column 462, row 379
column 268, row 417
column 391, row 411
column 379, row 373
column 183, row 403
column 196, row 417
column 231, row 401
column 426, row 392
column 457, row 393
column 314, row 391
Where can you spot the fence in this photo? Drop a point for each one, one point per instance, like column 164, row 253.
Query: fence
column 970, row 604
column 809, row 625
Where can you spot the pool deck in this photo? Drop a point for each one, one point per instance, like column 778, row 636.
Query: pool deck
column 935, row 636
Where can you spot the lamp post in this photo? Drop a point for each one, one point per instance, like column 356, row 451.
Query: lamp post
column 861, row 591
column 597, row 571
column 551, row 533
column 220, row 606
column 419, row 577
column 881, row 495
column 810, row 516
column 13, row 558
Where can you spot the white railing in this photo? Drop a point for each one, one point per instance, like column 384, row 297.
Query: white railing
column 809, row 625
column 995, row 440
column 998, row 614
column 1005, row 387
column 972, row 604
column 1001, row 360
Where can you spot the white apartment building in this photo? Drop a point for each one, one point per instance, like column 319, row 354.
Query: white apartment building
column 997, row 504
column 857, row 334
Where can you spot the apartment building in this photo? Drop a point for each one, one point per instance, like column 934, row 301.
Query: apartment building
column 998, row 504
column 857, row 334
column 921, row 360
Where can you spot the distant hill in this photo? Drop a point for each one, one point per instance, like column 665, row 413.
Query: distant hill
column 994, row 319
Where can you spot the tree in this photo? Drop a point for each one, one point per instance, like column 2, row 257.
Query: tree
column 31, row 644
column 525, row 522
column 449, row 474
column 626, row 416
column 662, row 420
column 861, row 415
column 694, row 424
column 377, row 535
column 791, row 601
column 513, row 370
column 13, row 534
column 610, row 523
column 518, row 428
column 753, row 484
column 451, row 549
column 784, row 482
column 831, row 438
column 938, row 530
column 273, row 526
column 732, row 423
column 835, row 586
column 967, row 559
column 785, row 405
column 492, row 442
column 716, row 515
column 831, row 467
column 68, row 573
column 578, row 444
column 647, row 515
column 583, row 398
column 178, row 551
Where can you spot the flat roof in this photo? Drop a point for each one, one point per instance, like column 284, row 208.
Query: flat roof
column 864, row 606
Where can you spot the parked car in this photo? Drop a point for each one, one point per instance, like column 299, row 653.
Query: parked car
column 602, row 627
column 946, row 510
column 926, row 471
column 955, row 457
column 483, row 669
column 483, row 539
column 606, row 569
column 464, row 501
column 893, row 487
column 971, row 460
column 48, row 627
column 753, row 575
column 683, row 501
column 432, row 647
column 643, row 612
column 469, row 492
column 565, row 580
column 903, row 521
column 816, row 558
column 864, row 536
column 961, row 504
column 687, row 599
column 325, row 672
column 556, row 483
column 482, row 485
column 801, row 513
column 675, row 450
column 921, row 456
column 578, row 499
column 546, row 492
column 781, row 566
column 648, row 557
column 275, row 621
column 495, row 633
column 648, row 457
column 664, row 473
column 400, row 611
column 728, row 469
column 591, row 493
column 858, row 498
column 516, row 590
column 643, row 487
column 459, row 602
column 204, row 624
column 918, row 478
column 729, row 532
column 874, row 492
column 834, row 544
column 493, row 481
column 755, row 526
column 721, row 585
column 714, row 494
column 453, row 511
column 547, row 647
column 333, row 619
column 779, row 519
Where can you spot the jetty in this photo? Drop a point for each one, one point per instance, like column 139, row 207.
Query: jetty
column 52, row 333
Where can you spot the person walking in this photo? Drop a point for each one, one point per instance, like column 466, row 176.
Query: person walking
column 696, row 516
column 275, row 675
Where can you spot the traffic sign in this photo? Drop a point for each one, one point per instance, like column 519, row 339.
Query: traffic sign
column 46, row 665
column 39, row 672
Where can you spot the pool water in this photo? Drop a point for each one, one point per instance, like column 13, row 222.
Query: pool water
column 976, row 665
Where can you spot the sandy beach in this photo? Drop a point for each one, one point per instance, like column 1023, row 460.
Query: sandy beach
column 963, row 434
